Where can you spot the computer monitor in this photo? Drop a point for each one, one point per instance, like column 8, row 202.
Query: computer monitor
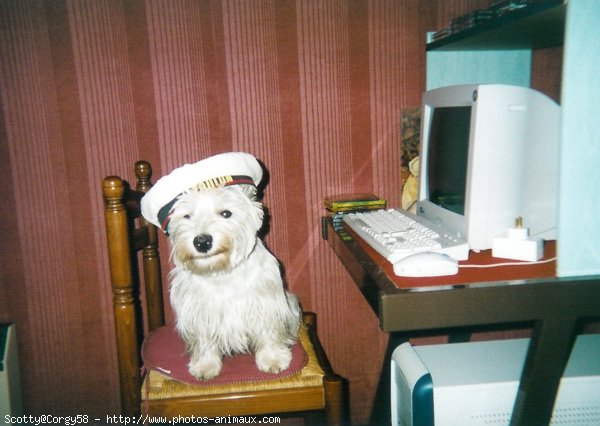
column 489, row 154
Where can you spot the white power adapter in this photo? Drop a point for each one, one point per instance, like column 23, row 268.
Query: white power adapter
column 517, row 245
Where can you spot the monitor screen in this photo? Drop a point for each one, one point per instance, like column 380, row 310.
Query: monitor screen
column 447, row 158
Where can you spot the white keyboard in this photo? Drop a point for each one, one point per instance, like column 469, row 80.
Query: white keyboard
column 396, row 234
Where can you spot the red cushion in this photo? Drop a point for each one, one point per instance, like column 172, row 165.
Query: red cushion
column 164, row 351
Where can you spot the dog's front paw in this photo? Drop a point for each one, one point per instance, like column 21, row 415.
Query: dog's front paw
column 273, row 359
column 205, row 366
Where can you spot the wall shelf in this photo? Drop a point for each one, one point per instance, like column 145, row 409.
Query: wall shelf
column 537, row 26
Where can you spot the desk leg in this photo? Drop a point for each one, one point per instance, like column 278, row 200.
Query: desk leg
column 547, row 357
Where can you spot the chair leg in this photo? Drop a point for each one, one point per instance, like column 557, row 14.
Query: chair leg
column 335, row 389
column 335, row 400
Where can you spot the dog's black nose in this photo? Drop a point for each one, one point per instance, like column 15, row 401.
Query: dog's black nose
column 203, row 243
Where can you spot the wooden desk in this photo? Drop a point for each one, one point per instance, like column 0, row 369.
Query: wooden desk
column 556, row 308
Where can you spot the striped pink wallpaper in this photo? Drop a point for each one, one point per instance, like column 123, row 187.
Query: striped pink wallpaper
column 314, row 88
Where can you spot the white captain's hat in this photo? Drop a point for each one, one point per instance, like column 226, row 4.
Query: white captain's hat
column 231, row 168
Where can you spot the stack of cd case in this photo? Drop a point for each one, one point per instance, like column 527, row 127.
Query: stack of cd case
column 336, row 206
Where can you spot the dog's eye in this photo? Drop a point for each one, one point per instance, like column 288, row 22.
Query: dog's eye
column 187, row 216
column 226, row 214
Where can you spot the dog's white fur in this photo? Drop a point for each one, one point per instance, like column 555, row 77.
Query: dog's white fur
column 226, row 289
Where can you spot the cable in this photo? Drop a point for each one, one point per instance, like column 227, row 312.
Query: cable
column 493, row 265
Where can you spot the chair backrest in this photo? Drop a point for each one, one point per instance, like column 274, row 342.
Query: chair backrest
column 128, row 234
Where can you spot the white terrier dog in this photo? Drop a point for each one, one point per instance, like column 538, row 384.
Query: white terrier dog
column 226, row 287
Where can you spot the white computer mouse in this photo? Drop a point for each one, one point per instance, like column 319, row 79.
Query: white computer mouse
column 426, row 264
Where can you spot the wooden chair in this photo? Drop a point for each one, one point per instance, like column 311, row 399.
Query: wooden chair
column 314, row 388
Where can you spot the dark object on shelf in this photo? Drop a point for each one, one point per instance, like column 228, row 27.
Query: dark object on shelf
column 531, row 25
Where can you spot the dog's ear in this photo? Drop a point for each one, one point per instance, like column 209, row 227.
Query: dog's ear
column 249, row 191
